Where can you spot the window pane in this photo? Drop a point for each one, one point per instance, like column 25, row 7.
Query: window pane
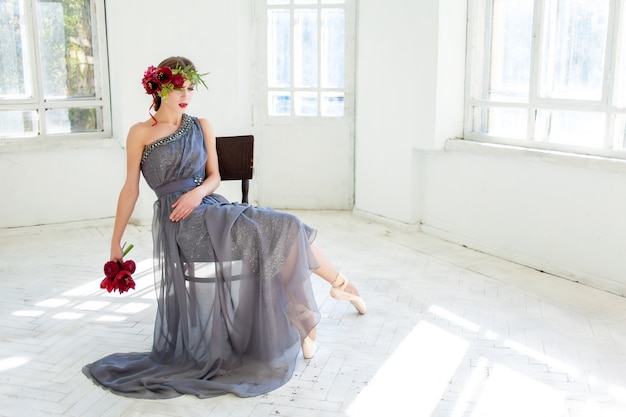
column 74, row 120
column 620, row 76
column 279, row 103
column 278, row 48
column 15, row 80
column 574, row 48
column 510, row 50
column 305, row 103
column 66, row 41
column 306, row 58
column 501, row 121
column 333, row 48
column 305, row 48
column 17, row 123
column 570, row 128
column 331, row 104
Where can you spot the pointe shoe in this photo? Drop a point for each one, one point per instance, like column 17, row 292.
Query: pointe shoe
column 338, row 291
column 308, row 348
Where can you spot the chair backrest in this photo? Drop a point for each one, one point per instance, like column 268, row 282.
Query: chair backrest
column 236, row 159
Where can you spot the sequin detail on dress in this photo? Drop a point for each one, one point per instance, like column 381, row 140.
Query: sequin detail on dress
column 185, row 125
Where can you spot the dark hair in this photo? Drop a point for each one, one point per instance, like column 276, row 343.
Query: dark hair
column 172, row 62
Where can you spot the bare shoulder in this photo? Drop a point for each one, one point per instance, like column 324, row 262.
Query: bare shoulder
column 148, row 129
column 139, row 133
column 146, row 132
column 205, row 123
column 207, row 127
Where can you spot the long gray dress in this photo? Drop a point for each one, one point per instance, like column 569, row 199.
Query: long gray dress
column 233, row 289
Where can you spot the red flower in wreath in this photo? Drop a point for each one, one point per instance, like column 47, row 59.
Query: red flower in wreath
column 178, row 80
column 164, row 75
column 150, row 81
column 161, row 81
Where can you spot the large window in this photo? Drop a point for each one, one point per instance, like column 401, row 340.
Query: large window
column 548, row 74
column 54, row 81
column 306, row 58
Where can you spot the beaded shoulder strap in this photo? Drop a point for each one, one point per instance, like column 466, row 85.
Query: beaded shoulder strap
column 185, row 125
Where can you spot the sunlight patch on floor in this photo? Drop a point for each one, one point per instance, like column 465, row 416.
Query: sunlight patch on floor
column 511, row 394
column 52, row 302
column 92, row 305
column 541, row 357
column 453, row 318
column 618, row 392
column 471, row 388
column 68, row 315
column 112, row 319
column 132, row 308
column 27, row 313
column 414, row 377
column 13, row 362
column 419, row 372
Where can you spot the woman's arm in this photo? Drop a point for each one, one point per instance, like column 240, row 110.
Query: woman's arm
column 130, row 191
column 213, row 179
column 189, row 201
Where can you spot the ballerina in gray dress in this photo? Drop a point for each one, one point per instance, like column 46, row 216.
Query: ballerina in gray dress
column 239, row 327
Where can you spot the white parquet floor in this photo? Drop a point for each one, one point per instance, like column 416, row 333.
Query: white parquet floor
column 449, row 332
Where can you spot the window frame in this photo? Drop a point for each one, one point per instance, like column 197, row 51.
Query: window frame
column 605, row 105
column 262, row 107
column 38, row 103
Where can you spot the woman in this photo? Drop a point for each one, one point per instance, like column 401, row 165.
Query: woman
column 225, row 331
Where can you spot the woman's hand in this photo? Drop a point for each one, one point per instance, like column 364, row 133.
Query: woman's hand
column 186, row 204
column 116, row 253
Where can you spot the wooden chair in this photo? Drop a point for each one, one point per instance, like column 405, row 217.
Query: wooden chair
column 236, row 158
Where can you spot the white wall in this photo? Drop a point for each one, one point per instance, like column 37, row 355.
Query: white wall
column 557, row 213
column 410, row 73
column 307, row 170
column 55, row 184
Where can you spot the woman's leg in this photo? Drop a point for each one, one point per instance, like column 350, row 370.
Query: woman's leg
column 342, row 288
column 327, row 270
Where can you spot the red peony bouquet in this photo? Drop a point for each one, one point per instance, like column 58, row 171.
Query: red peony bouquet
column 118, row 275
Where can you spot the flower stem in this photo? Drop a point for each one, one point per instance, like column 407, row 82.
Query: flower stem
column 127, row 249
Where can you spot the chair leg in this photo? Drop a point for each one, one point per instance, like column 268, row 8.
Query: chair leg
column 245, row 185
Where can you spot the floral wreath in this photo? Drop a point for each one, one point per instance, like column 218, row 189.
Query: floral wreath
column 160, row 81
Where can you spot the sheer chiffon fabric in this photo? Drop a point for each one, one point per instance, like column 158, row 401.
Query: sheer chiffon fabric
column 234, row 296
